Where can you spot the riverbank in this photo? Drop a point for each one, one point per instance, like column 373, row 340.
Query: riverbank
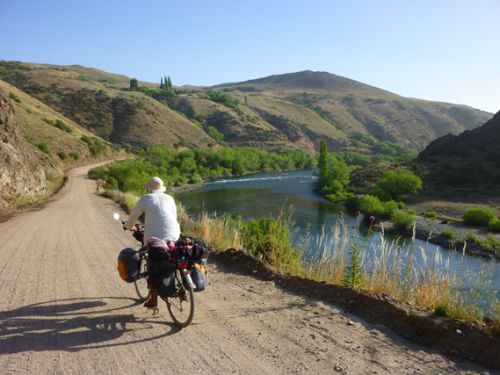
column 431, row 230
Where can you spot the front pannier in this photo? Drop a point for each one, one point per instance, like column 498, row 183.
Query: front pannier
column 128, row 265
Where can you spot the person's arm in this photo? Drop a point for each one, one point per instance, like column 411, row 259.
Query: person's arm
column 137, row 211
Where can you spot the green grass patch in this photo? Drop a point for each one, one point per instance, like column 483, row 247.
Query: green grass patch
column 449, row 233
column 431, row 214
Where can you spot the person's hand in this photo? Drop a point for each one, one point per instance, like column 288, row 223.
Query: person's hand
column 134, row 229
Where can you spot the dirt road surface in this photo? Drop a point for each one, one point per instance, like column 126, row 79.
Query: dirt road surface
column 64, row 310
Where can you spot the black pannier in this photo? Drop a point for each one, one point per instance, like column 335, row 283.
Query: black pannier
column 162, row 274
column 128, row 265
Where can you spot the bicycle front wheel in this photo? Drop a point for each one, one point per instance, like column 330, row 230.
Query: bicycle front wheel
column 181, row 305
column 141, row 284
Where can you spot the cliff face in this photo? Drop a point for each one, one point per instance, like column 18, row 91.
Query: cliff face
column 21, row 172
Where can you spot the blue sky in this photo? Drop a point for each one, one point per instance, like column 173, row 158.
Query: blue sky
column 445, row 50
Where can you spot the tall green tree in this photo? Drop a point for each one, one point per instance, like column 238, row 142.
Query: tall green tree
column 162, row 85
column 322, row 164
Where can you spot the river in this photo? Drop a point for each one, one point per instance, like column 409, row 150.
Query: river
column 267, row 194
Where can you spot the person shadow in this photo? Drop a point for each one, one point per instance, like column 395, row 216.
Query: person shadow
column 77, row 324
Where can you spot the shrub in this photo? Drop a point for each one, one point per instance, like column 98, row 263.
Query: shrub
column 43, row 147
column 75, row 155
column 430, row 214
column 269, row 239
column 224, row 98
column 397, row 184
column 402, row 220
column 3, row 70
column 479, row 217
column 95, row 145
column 449, row 233
column 14, row 97
column 474, row 238
column 371, row 205
column 62, row 125
column 62, row 155
column 494, row 225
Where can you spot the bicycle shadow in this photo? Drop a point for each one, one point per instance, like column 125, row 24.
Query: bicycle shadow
column 76, row 325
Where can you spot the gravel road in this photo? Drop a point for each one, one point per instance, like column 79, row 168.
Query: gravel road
column 64, row 310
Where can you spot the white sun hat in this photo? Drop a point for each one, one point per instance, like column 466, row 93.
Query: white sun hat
column 155, row 185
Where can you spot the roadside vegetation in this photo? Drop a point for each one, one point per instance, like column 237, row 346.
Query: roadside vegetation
column 347, row 260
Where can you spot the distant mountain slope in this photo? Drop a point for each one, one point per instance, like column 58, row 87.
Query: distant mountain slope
column 353, row 106
column 295, row 110
column 471, row 159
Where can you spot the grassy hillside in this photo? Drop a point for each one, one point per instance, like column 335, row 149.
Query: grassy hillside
column 352, row 106
column 295, row 110
column 57, row 137
column 101, row 103
column 38, row 144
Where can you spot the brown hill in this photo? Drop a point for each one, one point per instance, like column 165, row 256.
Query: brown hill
column 471, row 159
column 100, row 102
column 352, row 106
column 295, row 110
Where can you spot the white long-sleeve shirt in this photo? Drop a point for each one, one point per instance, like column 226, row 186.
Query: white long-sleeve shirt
column 160, row 217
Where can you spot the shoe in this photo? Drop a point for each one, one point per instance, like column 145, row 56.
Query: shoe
column 150, row 304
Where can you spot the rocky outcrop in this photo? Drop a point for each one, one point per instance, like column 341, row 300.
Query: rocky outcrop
column 21, row 172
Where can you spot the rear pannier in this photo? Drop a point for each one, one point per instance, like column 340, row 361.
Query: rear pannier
column 128, row 265
column 199, row 277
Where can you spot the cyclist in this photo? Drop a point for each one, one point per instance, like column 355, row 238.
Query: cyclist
column 160, row 220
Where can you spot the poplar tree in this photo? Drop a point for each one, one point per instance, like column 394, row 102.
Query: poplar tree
column 322, row 164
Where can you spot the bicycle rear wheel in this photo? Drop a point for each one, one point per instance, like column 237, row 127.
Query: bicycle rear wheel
column 141, row 284
column 181, row 305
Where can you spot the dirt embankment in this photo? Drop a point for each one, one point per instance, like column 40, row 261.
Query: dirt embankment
column 64, row 310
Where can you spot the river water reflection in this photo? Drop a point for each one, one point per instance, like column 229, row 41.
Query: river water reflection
column 266, row 194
